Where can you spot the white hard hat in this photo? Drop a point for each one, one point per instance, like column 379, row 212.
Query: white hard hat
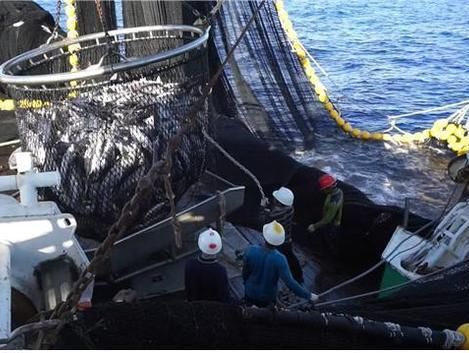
column 284, row 196
column 210, row 242
column 274, row 234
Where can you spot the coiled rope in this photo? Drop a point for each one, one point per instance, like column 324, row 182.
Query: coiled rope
column 452, row 131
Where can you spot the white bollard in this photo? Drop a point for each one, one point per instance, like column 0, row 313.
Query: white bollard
column 27, row 181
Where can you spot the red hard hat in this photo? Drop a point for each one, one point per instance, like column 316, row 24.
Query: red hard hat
column 326, row 181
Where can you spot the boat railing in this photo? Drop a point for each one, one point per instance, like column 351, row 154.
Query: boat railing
column 135, row 252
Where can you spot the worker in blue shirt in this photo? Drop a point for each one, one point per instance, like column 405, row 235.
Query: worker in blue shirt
column 265, row 265
column 205, row 278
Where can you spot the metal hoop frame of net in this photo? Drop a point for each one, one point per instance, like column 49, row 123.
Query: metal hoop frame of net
column 102, row 125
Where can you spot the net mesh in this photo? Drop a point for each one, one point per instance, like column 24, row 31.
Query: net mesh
column 264, row 82
column 211, row 325
column 103, row 134
column 439, row 300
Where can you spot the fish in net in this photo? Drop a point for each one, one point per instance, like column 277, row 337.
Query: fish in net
column 104, row 133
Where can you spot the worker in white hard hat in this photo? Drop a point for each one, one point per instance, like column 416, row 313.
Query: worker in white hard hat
column 205, row 278
column 265, row 265
column 281, row 210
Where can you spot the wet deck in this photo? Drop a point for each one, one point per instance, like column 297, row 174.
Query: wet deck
column 318, row 277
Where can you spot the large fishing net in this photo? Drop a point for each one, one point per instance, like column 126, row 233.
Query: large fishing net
column 103, row 132
column 263, row 83
column 211, row 325
column 264, row 79
column 439, row 300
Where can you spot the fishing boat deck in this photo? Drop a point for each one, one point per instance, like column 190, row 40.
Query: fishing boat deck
column 317, row 277
column 317, row 274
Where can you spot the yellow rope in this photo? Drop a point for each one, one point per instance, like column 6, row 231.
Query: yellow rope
column 11, row 105
column 7, row 104
column 72, row 33
column 454, row 135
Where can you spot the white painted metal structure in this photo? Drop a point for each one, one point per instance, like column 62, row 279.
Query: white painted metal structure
column 414, row 256
column 31, row 232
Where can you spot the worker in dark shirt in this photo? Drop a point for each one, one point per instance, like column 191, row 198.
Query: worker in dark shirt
column 328, row 227
column 281, row 210
column 205, row 278
column 264, row 266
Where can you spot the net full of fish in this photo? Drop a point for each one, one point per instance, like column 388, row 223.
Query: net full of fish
column 105, row 140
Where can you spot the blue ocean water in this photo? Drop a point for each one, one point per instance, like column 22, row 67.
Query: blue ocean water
column 388, row 57
column 385, row 58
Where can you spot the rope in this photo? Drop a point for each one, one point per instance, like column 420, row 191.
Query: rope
column 9, row 143
column 367, row 294
column 374, row 267
column 35, row 326
column 170, row 196
column 326, row 74
column 222, row 212
column 319, row 88
column 141, row 200
column 264, row 199
column 388, row 257
column 102, row 18
column 456, row 138
column 55, row 32
column 430, row 110
column 11, row 105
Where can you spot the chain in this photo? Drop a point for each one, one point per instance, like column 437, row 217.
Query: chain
column 201, row 18
column 140, row 201
column 55, row 31
column 102, row 19
column 194, row 11
column 58, row 10
column 111, row 47
column 174, row 221
column 222, row 212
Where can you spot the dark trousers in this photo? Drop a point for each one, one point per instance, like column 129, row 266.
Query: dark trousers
column 295, row 267
column 330, row 239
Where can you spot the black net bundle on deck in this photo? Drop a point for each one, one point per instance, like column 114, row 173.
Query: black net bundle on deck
column 103, row 134
column 212, row 325
column 440, row 300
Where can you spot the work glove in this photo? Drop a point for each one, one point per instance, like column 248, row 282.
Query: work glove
column 313, row 298
column 311, row 228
